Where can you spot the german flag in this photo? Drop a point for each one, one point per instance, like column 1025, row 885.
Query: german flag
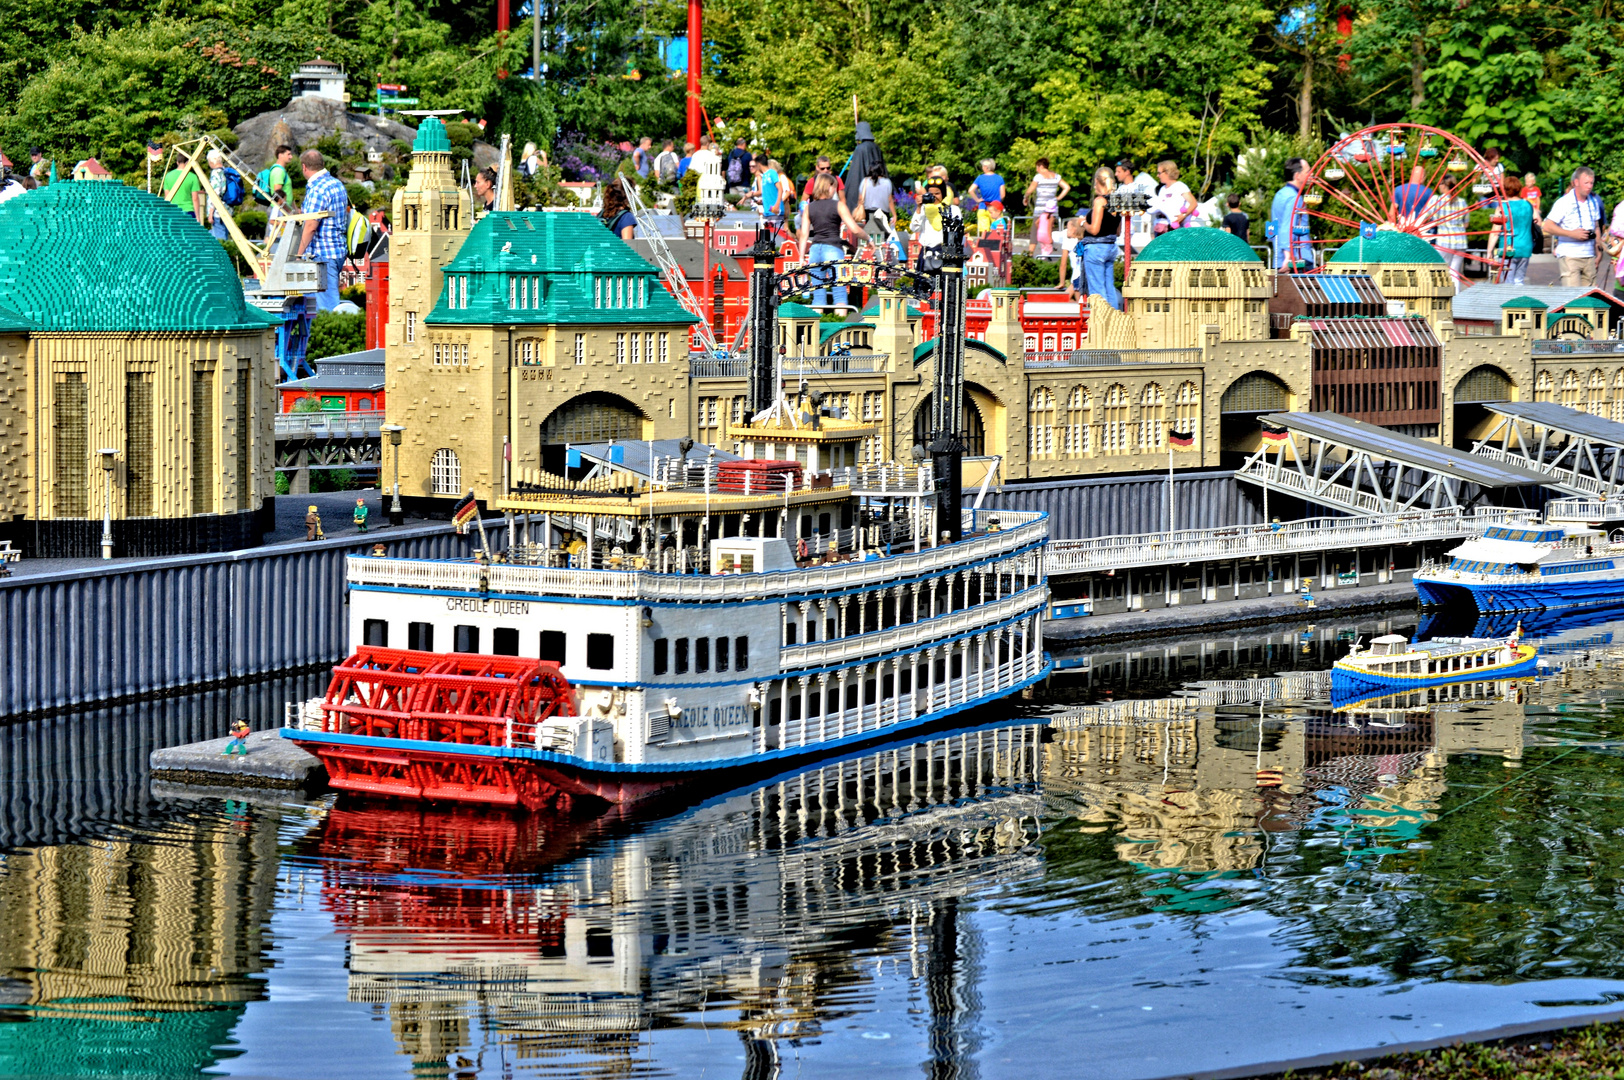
column 1181, row 438
column 465, row 511
column 1273, row 433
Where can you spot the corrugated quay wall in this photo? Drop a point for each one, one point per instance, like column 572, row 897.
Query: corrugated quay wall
column 1125, row 505
column 92, row 634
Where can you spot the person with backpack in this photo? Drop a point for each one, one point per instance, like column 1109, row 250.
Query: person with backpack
column 1574, row 220
column 217, row 181
column 737, row 169
column 665, row 163
column 274, row 177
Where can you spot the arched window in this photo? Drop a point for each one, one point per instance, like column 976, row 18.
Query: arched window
column 1187, row 410
column 1616, row 406
column 1115, row 434
column 1542, row 387
column 1596, row 393
column 1040, row 424
column 1570, row 389
column 1075, row 442
column 445, row 473
column 1152, row 418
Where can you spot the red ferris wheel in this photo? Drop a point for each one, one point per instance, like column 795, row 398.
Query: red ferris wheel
column 1370, row 178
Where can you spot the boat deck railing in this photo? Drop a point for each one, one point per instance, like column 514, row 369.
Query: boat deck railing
column 1019, row 530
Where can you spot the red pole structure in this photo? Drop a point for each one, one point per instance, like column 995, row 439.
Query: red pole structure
column 696, row 41
column 504, row 9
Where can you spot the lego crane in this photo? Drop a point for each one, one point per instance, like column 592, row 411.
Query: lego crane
column 284, row 281
column 674, row 276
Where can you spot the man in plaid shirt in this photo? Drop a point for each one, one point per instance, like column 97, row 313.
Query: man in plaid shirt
column 324, row 241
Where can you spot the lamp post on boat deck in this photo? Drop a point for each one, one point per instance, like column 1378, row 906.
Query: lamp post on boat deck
column 396, row 516
column 107, row 462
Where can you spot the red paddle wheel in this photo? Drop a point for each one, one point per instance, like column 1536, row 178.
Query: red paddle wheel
column 466, row 699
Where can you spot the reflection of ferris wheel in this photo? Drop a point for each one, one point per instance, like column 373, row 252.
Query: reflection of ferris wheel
column 1366, row 179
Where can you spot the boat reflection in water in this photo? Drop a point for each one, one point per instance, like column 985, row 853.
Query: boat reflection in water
column 480, row 934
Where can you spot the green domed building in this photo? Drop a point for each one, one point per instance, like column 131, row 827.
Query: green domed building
column 123, row 326
column 1407, row 269
column 1189, row 278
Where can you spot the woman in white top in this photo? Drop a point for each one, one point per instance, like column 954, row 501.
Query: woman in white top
column 531, row 161
column 217, row 181
column 876, row 209
column 1043, row 195
column 1174, row 202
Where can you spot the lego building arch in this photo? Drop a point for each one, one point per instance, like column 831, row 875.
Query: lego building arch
column 1243, row 401
column 979, row 406
column 1486, row 382
column 596, row 416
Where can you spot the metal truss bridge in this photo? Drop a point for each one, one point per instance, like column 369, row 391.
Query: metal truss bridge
column 1580, row 452
column 328, row 440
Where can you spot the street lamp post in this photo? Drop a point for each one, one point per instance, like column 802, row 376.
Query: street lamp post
column 396, row 515
column 107, row 461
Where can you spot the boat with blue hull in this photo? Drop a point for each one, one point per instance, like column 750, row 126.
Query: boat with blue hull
column 1393, row 663
column 1526, row 569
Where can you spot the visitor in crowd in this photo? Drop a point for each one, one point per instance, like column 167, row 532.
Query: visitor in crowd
column 1285, row 216
column 275, row 178
column 531, row 161
column 737, row 169
column 997, row 219
column 1130, row 181
column 40, row 169
column 1512, row 236
column 877, row 208
column 181, row 187
column 1533, row 196
column 1573, row 220
column 1043, row 195
column 217, row 181
column 926, row 226
column 485, row 190
column 325, row 240
column 686, row 159
column 1412, row 198
column 1174, row 202
column 706, row 160
column 939, row 172
column 10, row 186
column 1237, row 222
column 665, row 163
column 989, row 186
column 617, row 213
column 1616, row 233
column 1099, row 247
column 768, row 190
column 1496, row 168
column 1449, row 227
column 643, row 157
column 823, row 167
column 820, row 238
column 1072, row 278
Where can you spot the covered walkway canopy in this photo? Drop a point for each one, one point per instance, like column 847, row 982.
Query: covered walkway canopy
column 1581, row 451
column 1349, row 465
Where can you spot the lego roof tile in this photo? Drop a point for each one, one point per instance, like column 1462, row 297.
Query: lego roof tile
column 1198, row 244
column 830, row 329
column 791, row 310
column 1387, row 246
column 1520, row 302
column 431, row 137
column 103, row 257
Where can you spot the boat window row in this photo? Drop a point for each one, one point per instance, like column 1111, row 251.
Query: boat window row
column 825, row 619
column 1577, row 567
column 597, row 650
column 1481, row 566
column 699, row 656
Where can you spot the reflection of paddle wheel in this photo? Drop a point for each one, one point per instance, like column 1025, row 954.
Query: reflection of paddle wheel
column 1358, row 180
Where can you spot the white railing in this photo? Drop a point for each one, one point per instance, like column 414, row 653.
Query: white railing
column 1584, row 510
column 1563, row 348
column 329, row 424
column 915, row 634
column 1251, row 541
column 1566, row 477
column 514, row 579
column 1289, row 479
column 836, row 364
column 1111, row 357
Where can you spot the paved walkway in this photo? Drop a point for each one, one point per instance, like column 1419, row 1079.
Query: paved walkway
column 1157, row 622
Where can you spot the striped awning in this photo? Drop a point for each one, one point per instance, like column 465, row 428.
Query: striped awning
column 1363, row 333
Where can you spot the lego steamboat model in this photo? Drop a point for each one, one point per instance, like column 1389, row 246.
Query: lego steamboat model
column 674, row 620
column 1392, row 663
column 1526, row 569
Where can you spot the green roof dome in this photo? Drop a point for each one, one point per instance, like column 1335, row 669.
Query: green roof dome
column 98, row 257
column 789, row 309
column 1387, row 246
column 1197, row 244
column 431, row 137
column 1588, row 300
column 1519, row 303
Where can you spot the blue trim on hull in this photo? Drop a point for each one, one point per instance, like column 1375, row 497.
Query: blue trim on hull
column 1344, row 681
column 1521, row 595
column 673, row 769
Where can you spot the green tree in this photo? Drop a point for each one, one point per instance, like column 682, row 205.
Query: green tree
column 333, row 334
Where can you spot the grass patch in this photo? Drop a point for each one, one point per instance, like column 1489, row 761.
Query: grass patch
column 1579, row 1053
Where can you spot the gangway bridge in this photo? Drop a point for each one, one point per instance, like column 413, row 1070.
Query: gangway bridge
column 1580, row 452
column 1358, row 468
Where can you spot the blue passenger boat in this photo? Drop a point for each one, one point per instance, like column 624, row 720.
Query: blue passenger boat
column 1392, row 662
column 1526, row 569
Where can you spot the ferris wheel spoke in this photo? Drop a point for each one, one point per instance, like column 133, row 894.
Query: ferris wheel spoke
column 1333, row 217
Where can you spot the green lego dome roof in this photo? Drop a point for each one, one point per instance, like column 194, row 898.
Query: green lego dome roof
column 431, row 137
column 1387, row 246
column 1197, row 244
column 1519, row 303
column 791, row 310
column 103, row 257
column 1589, row 300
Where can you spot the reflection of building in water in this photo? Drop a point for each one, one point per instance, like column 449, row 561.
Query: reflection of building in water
column 1193, row 784
column 755, row 907
column 133, row 957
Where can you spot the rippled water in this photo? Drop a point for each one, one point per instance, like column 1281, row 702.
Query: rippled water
column 1174, row 860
